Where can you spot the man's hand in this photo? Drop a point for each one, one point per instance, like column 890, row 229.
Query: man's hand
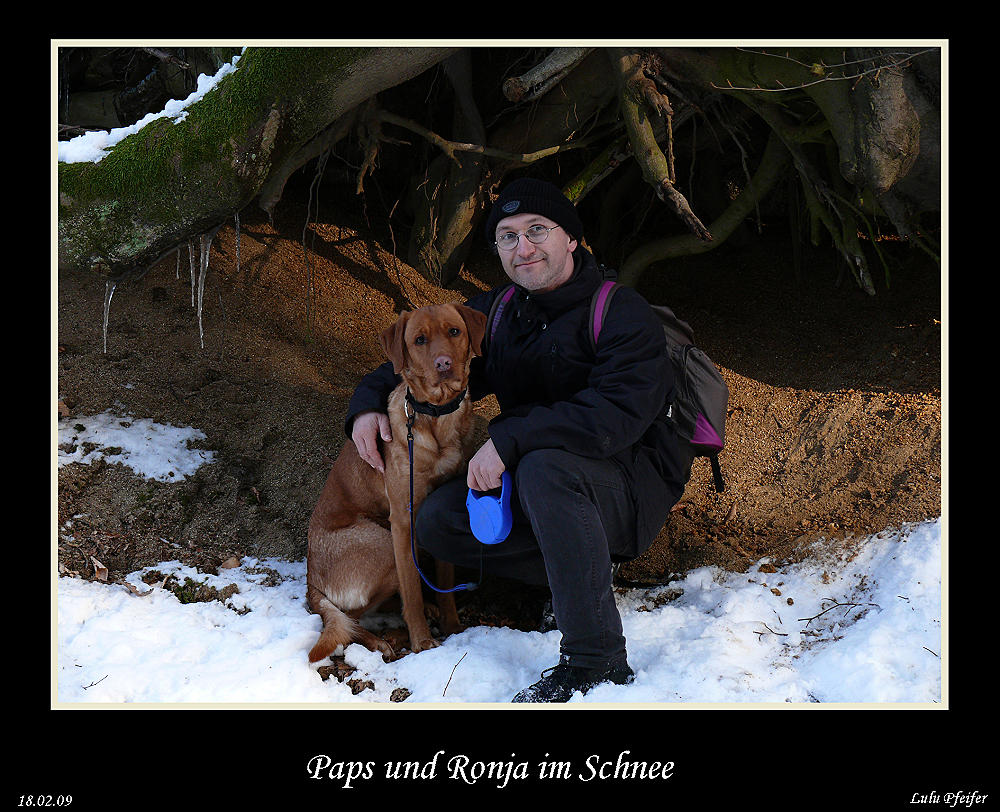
column 485, row 468
column 365, row 432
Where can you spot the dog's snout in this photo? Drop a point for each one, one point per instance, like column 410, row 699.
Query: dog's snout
column 442, row 363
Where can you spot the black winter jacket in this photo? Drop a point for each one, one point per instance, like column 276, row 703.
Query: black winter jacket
column 553, row 391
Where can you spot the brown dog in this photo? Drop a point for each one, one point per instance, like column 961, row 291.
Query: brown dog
column 359, row 534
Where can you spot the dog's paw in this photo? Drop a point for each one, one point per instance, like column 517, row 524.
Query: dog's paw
column 423, row 644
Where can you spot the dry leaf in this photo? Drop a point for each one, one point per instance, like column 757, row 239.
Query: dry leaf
column 135, row 590
column 229, row 563
column 63, row 409
column 100, row 571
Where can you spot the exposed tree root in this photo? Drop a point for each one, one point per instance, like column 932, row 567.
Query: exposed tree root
column 878, row 133
column 770, row 170
column 544, row 76
column 638, row 97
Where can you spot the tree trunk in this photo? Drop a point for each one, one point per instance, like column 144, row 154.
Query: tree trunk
column 170, row 181
column 445, row 200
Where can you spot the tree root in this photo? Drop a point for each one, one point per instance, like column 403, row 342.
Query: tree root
column 771, row 169
column 668, row 193
column 638, row 96
column 274, row 186
column 606, row 162
column 543, row 77
column 440, row 237
column 451, row 148
column 824, row 204
column 445, row 219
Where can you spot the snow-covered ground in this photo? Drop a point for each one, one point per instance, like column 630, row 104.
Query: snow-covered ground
column 864, row 626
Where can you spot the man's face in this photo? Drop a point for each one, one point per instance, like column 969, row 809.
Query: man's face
column 538, row 268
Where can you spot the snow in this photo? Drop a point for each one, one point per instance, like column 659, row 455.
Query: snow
column 152, row 450
column 861, row 626
column 93, row 146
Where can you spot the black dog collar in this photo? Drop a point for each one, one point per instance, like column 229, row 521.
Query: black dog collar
column 433, row 410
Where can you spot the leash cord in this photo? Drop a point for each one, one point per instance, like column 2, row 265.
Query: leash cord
column 413, row 545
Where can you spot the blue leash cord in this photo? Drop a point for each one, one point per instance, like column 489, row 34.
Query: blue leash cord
column 413, row 546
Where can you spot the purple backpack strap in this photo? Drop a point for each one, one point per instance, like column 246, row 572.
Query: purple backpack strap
column 599, row 309
column 497, row 309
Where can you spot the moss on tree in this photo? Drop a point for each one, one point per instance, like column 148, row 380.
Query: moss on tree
column 173, row 179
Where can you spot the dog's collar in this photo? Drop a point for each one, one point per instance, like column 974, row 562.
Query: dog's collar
column 434, row 410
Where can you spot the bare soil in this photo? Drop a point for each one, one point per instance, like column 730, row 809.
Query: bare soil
column 834, row 431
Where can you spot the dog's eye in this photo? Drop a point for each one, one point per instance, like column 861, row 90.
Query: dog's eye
column 420, row 340
column 454, row 331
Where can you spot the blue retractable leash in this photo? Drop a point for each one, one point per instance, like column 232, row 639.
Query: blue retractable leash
column 489, row 516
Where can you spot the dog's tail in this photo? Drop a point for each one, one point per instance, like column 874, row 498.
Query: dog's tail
column 340, row 629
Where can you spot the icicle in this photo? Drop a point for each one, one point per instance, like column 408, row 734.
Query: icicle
column 237, row 242
column 177, row 270
column 191, row 260
column 317, row 178
column 206, row 247
column 109, row 291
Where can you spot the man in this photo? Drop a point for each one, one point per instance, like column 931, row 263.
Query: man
column 585, row 437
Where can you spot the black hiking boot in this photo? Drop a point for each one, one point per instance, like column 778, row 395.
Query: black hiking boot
column 565, row 680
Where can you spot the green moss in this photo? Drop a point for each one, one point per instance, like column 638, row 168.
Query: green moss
column 179, row 176
column 192, row 591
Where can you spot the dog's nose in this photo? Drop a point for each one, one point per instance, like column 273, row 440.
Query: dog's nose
column 442, row 363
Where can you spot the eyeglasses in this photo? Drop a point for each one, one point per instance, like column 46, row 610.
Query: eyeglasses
column 536, row 234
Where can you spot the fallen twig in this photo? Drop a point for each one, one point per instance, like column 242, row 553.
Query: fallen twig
column 772, row 631
column 452, row 674
column 835, row 605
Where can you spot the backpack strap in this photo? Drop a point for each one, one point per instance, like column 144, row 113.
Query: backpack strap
column 720, row 483
column 598, row 313
column 599, row 309
column 496, row 311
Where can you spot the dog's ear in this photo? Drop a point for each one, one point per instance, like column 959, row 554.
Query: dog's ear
column 391, row 339
column 475, row 323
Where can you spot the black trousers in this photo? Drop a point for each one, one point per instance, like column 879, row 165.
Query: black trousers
column 571, row 515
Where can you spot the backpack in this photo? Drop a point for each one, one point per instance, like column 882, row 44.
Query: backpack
column 701, row 396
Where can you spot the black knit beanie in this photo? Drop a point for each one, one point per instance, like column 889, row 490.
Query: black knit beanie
column 534, row 197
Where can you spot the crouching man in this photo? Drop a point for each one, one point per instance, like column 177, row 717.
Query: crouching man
column 584, row 435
